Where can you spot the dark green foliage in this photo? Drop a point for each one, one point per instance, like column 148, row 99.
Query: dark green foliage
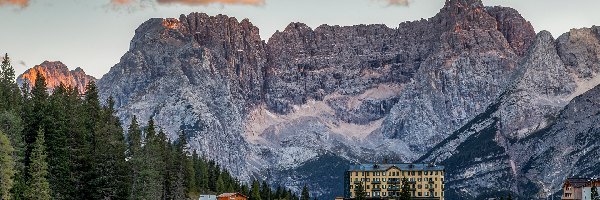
column 255, row 193
column 405, row 193
column 360, row 192
column 7, row 171
column 112, row 175
column 10, row 96
column 594, row 195
column 66, row 145
column 305, row 195
column 38, row 187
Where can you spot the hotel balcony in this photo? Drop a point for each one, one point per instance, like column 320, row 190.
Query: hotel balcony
column 392, row 181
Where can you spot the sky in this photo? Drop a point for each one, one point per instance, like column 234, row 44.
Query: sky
column 94, row 34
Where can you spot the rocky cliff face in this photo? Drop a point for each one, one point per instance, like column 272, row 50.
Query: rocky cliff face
column 200, row 74
column 308, row 101
column 56, row 73
column 499, row 150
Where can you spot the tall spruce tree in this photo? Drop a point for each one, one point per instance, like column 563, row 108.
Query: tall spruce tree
column 112, row 180
column 255, row 193
column 7, row 171
column 135, row 159
column 594, row 193
column 12, row 126
column 305, row 195
column 178, row 189
column 58, row 145
column 38, row 187
column 10, row 96
column 359, row 193
column 405, row 194
column 150, row 179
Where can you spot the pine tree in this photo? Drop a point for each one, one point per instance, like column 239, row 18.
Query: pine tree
column 594, row 193
column 134, row 154
column 360, row 192
column 12, row 126
column 150, row 182
column 36, row 114
column 190, row 176
column 167, row 158
column 178, row 190
column 10, row 96
column 405, row 194
column 57, row 144
column 7, row 171
column 112, row 181
column 38, row 187
column 509, row 197
column 265, row 191
column 305, row 195
column 221, row 188
column 255, row 194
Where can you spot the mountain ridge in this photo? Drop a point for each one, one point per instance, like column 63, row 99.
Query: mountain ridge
column 56, row 73
column 427, row 90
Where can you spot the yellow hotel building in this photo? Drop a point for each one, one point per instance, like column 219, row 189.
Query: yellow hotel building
column 384, row 181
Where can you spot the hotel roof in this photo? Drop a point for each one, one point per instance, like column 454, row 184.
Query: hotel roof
column 401, row 166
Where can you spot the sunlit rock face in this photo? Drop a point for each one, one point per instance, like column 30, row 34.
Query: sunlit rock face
column 301, row 107
column 56, row 73
column 536, row 133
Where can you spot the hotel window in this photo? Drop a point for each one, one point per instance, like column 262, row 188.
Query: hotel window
column 368, row 179
column 435, row 178
column 425, row 173
column 355, row 173
column 355, row 179
column 419, row 173
column 436, row 173
column 426, row 194
column 426, row 186
column 435, row 194
column 419, row 179
column 384, row 194
column 419, row 186
column 442, row 179
column 363, row 173
column 368, row 186
column 383, row 173
column 419, row 194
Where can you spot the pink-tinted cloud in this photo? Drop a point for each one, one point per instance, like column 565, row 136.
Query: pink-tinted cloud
column 122, row 2
column 21, row 3
column 206, row 2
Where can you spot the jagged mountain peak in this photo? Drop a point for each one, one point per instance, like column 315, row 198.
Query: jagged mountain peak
column 464, row 3
column 56, row 73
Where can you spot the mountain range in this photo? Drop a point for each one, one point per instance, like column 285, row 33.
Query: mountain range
column 473, row 88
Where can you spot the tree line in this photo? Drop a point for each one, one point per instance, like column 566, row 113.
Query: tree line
column 66, row 145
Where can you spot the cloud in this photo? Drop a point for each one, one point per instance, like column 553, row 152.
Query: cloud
column 21, row 3
column 22, row 63
column 188, row 2
column 397, row 2
column 122, row 2
column 206, row 2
